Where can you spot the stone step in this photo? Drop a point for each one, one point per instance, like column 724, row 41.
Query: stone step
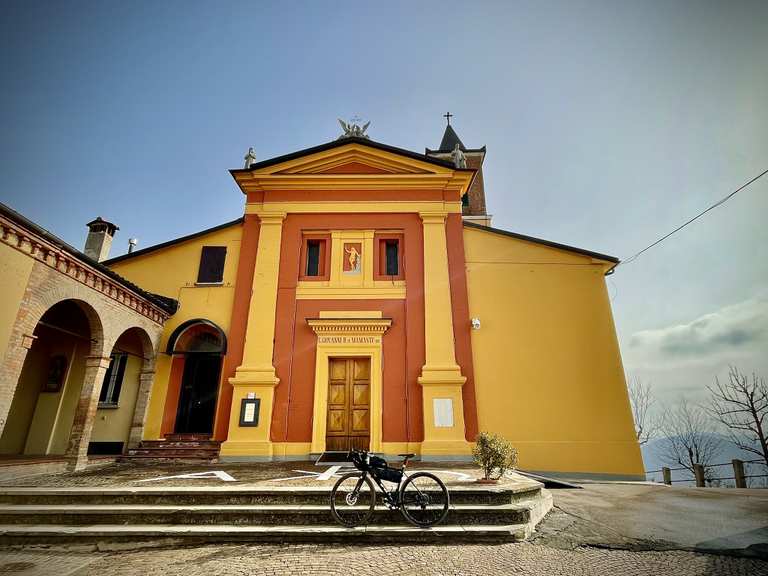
column 239, row 514
column 157, row 535
column 217, row 495
column 253, row 515
column 176, row 452
column 206, row 444
column 187, row 437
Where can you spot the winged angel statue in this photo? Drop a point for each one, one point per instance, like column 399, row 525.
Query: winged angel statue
column 353, row 130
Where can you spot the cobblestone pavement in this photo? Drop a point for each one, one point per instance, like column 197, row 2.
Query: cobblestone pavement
column 486, row 560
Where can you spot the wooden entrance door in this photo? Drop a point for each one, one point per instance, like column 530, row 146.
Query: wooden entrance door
column 349, row 386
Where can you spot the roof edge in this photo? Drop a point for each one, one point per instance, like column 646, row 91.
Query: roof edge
column 173, row 242
column 168, row 305
column 549, row 243
column 338, row 143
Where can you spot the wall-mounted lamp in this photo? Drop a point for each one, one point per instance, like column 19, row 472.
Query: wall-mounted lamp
column 475, row 323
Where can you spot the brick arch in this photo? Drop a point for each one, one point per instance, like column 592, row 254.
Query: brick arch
column 146, row 378
column 108, row 317
column 32, row 311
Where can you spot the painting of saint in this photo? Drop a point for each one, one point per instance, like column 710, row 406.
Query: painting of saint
column 353, row 256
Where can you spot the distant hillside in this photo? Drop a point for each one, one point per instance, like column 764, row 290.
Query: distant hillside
column 653, row 460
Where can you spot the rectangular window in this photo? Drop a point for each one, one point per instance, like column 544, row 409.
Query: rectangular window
column 465, row 200
column 212, row 265
column 388, row 262
column 313, row 258
column 113, row 380
column 392, row 261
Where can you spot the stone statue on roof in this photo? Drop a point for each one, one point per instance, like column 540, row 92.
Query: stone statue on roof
column 352, row 129
column 458, row 157
column 250, row 158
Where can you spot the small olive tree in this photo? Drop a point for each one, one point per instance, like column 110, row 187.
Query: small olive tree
column 494, row 455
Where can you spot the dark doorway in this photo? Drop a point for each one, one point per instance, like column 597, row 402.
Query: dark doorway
column 199, row 390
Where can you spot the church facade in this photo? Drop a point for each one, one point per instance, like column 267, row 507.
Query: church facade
column 364, row 301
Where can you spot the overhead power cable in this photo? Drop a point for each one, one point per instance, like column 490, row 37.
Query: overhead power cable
column 699, row 215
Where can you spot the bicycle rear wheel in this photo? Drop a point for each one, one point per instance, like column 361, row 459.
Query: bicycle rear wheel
column 424, row 499
column 353, row 499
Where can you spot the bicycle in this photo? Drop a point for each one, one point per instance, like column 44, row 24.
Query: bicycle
column 422, row 498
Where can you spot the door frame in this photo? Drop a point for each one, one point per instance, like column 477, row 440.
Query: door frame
column 348, row 338
column 350, row 395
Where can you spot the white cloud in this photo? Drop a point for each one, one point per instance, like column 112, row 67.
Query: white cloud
column 681, row 360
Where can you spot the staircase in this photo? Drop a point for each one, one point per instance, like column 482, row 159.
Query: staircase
column 192, row 515
column 185, row 447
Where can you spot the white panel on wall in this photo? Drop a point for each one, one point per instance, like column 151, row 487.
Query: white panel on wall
column 443, row 410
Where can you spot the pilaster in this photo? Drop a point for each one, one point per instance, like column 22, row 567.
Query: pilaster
column 441, row 377
column 255, row 378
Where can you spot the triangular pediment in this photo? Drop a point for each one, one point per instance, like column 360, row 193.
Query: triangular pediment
column 354, row 165
column 353, row 158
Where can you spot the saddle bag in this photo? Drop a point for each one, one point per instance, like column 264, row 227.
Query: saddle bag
column 383, row 472
column 390, row 474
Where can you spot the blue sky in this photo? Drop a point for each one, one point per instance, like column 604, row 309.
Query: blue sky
column 607, row 124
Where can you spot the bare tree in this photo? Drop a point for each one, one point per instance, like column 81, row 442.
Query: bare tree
column 641, row 398
column 689, row 438
column 741, row 405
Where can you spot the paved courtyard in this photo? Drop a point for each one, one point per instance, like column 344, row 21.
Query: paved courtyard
column 599, row 529
column 526, row 558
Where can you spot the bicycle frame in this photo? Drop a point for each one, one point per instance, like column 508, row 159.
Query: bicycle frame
column 391, row 498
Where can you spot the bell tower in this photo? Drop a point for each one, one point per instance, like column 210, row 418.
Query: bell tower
column 473, row 202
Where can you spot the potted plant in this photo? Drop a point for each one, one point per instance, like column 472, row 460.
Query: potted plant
column 494, row 455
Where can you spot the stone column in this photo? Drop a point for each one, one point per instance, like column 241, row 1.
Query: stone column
column 140, row 411
column 255, row 377
column 441, row 377
column 85, row 413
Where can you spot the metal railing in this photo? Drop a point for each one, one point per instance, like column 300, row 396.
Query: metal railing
column 702, row 474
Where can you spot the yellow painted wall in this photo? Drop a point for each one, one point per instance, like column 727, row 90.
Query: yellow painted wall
column 14, row 436
column 72, row 389
column 51, row 422
column 172, row 272
column 15, row 268
column 114, row 424
column 548, row 372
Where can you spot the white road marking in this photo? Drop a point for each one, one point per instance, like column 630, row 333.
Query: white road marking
column 220, row 474
column 329, row 473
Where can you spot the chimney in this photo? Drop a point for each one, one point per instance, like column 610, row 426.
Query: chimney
column 99, row 241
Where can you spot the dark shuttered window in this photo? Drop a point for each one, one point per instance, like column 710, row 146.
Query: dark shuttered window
column 392, row 260
column 212, row 265
column 313, row 258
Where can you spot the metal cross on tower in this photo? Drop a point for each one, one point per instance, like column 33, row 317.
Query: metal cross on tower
column 448, row 117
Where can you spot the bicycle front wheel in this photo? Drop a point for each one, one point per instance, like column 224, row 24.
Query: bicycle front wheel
column 424, row 500
column 353, row 499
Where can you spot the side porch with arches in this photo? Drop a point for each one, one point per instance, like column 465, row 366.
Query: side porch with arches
column 76, row 323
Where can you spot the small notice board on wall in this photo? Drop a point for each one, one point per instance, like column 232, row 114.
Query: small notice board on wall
column 249, row 411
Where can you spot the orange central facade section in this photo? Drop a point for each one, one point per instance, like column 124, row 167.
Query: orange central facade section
column 346, row 241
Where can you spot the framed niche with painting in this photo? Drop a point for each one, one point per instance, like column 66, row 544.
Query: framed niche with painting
column 57, row 370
